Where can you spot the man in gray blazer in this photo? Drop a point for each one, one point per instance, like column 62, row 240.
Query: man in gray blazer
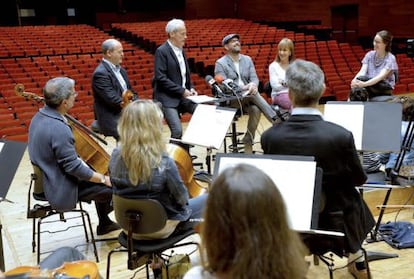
column 240, row 69
column 66, row 177
column 333, row 147
column 109, row 82
column 172, row 81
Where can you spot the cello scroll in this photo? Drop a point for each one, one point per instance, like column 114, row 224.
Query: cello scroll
column 87, row 148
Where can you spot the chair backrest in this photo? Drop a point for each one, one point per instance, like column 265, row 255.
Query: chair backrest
column 147, row 215
column 37, row 176
column 267, row 89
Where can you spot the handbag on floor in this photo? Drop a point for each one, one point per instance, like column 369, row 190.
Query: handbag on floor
column 178, row 265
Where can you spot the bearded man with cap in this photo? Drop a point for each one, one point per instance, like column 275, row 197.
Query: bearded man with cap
column 240, row 69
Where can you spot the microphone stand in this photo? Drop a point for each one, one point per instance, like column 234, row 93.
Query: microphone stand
column 394, row 174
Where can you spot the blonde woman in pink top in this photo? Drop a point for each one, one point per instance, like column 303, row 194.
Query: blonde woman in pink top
column 277, row 69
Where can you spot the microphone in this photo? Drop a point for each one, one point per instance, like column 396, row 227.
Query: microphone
column 214, row 85
column 235, row 88
column 219, row 78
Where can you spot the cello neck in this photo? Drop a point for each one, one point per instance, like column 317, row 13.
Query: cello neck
column 19, row 89
column 85, row 128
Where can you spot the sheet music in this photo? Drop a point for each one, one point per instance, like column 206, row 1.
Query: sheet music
column 208, row 126
column 294, row 179
column 348, row 116
column 199, row 99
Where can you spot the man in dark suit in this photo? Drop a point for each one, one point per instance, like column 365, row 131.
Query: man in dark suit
column 109, row 84
column 172, row 81
column 306, row 133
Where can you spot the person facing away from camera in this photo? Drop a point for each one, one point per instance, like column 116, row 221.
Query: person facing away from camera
column 240, row 242
column 141, row 168
column 307, row 133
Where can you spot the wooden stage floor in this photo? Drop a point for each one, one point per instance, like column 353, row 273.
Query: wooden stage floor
column 17, row 231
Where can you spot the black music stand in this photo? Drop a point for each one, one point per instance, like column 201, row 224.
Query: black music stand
column 376, row 126
column 11, row 153
column 303, row 209
column 395, row 176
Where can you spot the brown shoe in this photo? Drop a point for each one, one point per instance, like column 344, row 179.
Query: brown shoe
column 248, row 148
column 358, row 274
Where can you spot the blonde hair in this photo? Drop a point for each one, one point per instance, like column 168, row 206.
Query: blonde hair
column 141, row 141
column 286, row 43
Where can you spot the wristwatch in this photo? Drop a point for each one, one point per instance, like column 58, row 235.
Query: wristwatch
column 103, row 180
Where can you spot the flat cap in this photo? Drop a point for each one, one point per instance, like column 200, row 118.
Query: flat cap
column 228, row 38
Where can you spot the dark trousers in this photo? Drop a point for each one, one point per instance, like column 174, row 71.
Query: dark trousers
column 102, row 195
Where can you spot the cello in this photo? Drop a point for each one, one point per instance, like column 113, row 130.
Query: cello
column 77, row 269
column 87, row 148
column 185, row 168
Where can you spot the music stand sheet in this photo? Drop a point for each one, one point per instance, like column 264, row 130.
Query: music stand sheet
column 208, row 126
column 199, row 99
column 11, row 153
column 294, row 176
column 376, row 126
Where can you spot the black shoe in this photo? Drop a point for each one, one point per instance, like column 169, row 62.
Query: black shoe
column 104, row 229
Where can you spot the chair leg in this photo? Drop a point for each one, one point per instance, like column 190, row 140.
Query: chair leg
column 364, row 252
column 315, row 260
column 82, row 213
column 34, row 235
column 95, row 250
column 84, row 223
column 108, row 261
column 147, row 271
column 38, row 240
column 121, row 249
column 328, row 260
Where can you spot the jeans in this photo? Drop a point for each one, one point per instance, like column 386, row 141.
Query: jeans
column 59, row 256
column 255, row 105
column 197, row 205
column 172, row 116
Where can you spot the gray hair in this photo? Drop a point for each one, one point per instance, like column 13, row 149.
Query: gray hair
column 109, row 44
column 173, row 25
column 58, row 89
column 305, row 81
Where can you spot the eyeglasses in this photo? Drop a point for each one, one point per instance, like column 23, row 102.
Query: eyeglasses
column 74, row 94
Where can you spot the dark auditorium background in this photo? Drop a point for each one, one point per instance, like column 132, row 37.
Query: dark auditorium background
column 348, row 19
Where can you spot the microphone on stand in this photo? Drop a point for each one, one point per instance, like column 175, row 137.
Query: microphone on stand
column 214, row 85
column 234, row 88
column 219, row 78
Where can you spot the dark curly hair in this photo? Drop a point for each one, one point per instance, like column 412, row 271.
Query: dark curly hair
column 407, row 106
column 358, row 94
